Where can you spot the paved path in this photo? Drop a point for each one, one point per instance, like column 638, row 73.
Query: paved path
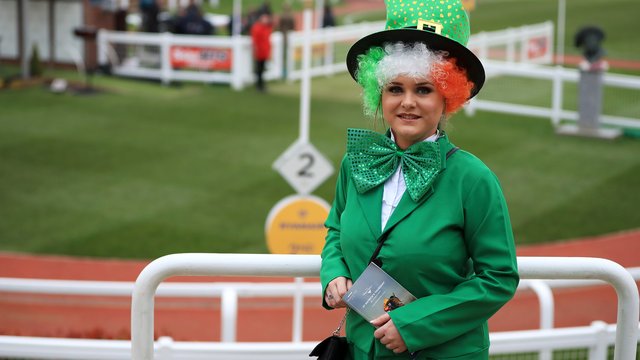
column 263, row 319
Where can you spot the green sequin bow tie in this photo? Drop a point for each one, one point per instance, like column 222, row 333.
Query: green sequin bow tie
column 374, row 158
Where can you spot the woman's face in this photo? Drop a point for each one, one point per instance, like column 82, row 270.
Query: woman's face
column 412, row 108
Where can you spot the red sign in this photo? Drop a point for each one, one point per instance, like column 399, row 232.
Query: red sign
column 201, row 58
column 538, row 47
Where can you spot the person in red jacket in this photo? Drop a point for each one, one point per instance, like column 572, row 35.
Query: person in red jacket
column 260, row 36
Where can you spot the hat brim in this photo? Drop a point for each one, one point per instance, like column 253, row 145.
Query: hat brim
column 465, row 58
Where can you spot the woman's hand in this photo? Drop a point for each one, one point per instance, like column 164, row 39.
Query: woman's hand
column 336, row 290
column 388, row 334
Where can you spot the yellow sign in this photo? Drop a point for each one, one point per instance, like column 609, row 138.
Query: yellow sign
column 469, row 5
column 296, row 225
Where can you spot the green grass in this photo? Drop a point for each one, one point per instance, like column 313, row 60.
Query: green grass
column 144, row 170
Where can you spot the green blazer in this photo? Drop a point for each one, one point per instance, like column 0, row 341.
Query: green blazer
column 453, row 250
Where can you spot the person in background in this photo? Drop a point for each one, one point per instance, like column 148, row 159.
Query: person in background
column 192, row 22
column 261, row 40
column 286, row 23
column 265, row 8
column 149, row 10
column 328, row 20
column 438, row 212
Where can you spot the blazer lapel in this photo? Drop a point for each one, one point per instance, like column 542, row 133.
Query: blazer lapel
column 371, row 205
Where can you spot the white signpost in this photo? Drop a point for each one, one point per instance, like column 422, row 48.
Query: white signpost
column 304, row 168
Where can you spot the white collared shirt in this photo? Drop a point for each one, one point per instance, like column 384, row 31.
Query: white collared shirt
column 395, row 187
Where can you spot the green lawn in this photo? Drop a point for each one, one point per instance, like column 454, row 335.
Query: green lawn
column 144, row 170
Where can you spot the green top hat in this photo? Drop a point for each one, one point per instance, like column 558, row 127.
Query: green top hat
column 440, row 24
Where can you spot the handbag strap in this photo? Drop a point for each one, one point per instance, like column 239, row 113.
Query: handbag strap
column 336, row 332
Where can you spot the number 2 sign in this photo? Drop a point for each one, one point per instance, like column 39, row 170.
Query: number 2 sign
column 304, row 167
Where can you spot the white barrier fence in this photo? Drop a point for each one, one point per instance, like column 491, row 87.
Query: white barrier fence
column 502, row 343
column 155, row 55
column 142, row 305
column 230, row 292
column 524, row 44
column 596, row 338
column 558, row 77
column 521, row 52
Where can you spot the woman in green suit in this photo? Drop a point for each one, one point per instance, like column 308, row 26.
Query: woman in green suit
column 439, row 213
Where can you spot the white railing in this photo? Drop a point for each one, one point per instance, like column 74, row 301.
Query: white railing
column 156, row 49
column 597, row 338
column 523, row 50
column 142, row 343
column 230, row 292
column 324, row 42
column 558, row 76
column 526, row 44
column 517, row 44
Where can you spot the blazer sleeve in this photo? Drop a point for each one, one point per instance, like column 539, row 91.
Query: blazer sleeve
column 438, row 318
column 333, row 264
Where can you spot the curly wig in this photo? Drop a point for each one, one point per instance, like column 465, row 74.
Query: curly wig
column 379, row 65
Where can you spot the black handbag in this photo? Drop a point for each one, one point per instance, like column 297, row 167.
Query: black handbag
column 335, row 347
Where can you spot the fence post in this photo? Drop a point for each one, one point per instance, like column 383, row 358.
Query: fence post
column 236, row 63
column 599, row 350
column 165, row 67
column 165, row 348
column 512, row 37
column 298, row 310
column 549, row 36
column 483, row 51
column 102, row 47
column 229, row 314
column 545, row 297
column 556, row 96
column 524, row 43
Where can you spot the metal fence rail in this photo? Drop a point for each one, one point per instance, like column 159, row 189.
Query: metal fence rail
column 309, row 265
column 545, row 342
column 590, row 342
column 557, row 76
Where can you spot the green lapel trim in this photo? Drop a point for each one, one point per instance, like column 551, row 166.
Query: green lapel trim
column 371, row 205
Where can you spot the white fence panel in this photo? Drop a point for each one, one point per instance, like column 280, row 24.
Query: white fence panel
column 326, row 39
column 149, row 55
column 558, row 76
column 516, row 41
column 597, row 337
column 542, row 341
column 526, row 44
column 309, row 265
